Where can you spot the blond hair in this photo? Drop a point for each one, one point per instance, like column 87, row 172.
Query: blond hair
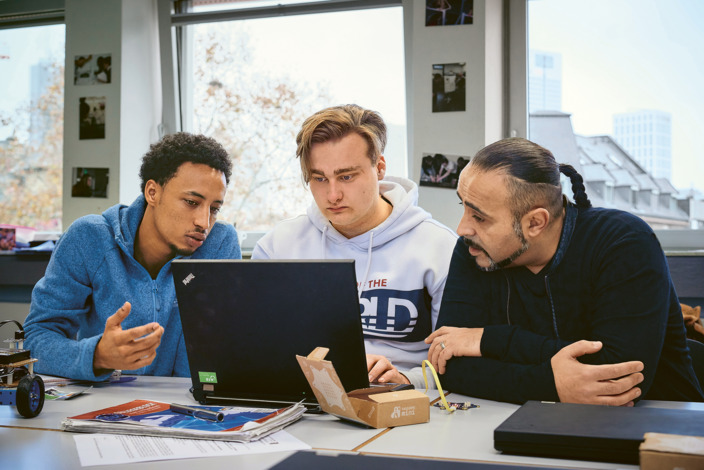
column 336, row 122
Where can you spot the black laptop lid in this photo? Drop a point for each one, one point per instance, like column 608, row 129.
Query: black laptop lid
column 244, row 322
column 308, row 460
column 590, row 432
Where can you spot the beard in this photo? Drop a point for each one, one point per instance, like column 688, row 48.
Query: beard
column 494, row 265
column 176, row 251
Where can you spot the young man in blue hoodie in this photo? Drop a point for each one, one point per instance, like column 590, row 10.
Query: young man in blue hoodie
column 401, row 254
column 107, row 300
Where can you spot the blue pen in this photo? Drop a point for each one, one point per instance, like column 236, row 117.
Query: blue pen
column 198, row 412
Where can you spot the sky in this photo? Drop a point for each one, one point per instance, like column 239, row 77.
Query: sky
column 19, row 50
column 337, row 57
column 625, row 55
column 331, row 46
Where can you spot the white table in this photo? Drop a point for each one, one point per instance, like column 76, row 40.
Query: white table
column 34, row 449
column 462, row 435
column 319, row 431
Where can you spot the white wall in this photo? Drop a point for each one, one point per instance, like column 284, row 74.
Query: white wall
column 91, row 28
column 126, row 29
column 483, row 46
column 141, row 92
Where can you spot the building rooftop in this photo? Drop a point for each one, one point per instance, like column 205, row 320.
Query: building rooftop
column 612, row 177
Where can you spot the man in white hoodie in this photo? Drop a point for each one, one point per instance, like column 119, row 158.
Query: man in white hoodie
column 401, row 254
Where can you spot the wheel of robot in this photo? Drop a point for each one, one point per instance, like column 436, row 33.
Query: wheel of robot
column 30, row 396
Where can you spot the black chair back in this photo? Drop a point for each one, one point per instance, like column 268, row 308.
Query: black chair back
column 696, row 350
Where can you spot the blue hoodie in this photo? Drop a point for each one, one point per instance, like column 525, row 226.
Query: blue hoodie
column 92, row 273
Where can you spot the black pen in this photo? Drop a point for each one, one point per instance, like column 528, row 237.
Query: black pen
column 198, row 412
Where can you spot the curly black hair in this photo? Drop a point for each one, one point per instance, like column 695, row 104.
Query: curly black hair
column 165, row 157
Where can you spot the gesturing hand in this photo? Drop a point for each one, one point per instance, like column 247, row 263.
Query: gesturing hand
column 126, row 349
column 381, row 370
column 606, row 384
column 449, row 341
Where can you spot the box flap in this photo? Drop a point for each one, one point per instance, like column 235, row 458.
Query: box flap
column 363, row 393
column 658, row 442
column 397, row 396
column 326, row 385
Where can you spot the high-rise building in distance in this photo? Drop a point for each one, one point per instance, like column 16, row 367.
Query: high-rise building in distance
column 647, row 136
column 544, row 81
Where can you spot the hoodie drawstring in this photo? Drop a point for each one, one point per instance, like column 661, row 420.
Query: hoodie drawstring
column 323, row 255
column 323, row 243
column 369, row 264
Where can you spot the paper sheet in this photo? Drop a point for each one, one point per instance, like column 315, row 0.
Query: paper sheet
column 111, row 449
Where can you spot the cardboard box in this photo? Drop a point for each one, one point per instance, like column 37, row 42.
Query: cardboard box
column 369, row 406
column 671, row 451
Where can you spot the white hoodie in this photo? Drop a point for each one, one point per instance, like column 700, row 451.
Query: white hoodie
column 401, row 267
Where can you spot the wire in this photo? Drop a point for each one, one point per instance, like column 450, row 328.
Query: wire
column 447, row 406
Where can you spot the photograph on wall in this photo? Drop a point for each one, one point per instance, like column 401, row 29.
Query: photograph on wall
column 92, row 69
column 90, row 182
column 449, row 85
column 449, row 12
column 441, row 170
column 7, row 239
column 91, row 112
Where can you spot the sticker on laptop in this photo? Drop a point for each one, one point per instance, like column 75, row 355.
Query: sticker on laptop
column 208, row 377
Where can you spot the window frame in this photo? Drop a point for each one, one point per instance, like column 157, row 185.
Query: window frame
column 177, row 58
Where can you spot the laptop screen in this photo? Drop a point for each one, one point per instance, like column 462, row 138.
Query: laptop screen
column 244, row 322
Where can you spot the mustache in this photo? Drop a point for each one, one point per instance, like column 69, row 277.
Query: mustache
column 198, row 231
column 472, row 244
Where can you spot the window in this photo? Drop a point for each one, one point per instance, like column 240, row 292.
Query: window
column 250, row 84
column 31, row 126
column 637, row 59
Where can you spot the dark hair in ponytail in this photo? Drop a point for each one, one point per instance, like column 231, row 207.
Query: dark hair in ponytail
column 534, row 175
column 580, row 192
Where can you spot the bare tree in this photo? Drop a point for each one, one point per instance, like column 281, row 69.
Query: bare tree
column 256, row 116
column 31, row 169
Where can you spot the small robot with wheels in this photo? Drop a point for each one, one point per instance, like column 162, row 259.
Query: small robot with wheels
column 19, row 386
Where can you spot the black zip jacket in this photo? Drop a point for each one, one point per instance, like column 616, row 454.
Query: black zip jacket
column 608, row 281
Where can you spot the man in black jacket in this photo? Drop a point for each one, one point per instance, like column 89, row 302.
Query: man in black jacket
column 550, row 300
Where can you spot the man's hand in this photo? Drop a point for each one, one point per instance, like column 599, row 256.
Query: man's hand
column 126, row 349
column 381, row 370
column 606, row 384
column 448, row 342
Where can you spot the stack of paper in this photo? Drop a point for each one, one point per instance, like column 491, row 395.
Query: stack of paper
column 153, row 418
